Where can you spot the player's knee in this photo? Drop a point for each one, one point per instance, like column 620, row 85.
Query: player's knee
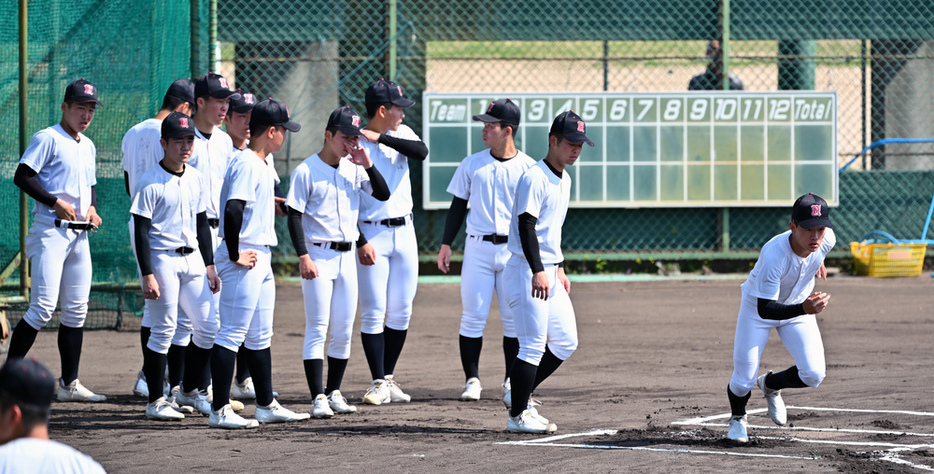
column 471, row 327
column 563, row 350
column 812, row 378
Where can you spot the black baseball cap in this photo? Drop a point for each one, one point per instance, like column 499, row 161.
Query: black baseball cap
column 213, row 85
column 502, row 110
column 571, row 126
column 183, row 89
column 27, row 382
column 345, row 120
column 271, row 113
column 386, row 92
column 243, row 103
column 177, row 125
column 811, row 211
column 80, row 91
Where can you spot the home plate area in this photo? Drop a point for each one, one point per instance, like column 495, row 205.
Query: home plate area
column 890, row 439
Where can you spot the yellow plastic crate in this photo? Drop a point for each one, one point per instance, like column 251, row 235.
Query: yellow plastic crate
column 888, row 259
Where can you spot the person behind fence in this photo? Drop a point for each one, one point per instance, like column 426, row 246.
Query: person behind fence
column 27, row 389
column 58, row 170
column 712, row 78
column 778, row 294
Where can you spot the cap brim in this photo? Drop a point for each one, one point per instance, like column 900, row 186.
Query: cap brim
column 179, row 135
column 486, row 118
column 292, row 126
column 226, row 95
column 812, row 223
column 578, row 137
column 403, row 102
column 352, row 131
column 242, row 109
column 86, row 100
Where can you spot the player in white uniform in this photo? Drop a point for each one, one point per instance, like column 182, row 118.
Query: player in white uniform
column 388, row 250
column 58, row 171
column 543, row 314
column 487, row 182
column 141, row 151
column 778, row 294
column 244, row 264
column 170, row 226
column 324, row 200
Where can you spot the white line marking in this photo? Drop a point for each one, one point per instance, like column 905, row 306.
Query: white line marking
column 825, row 430
column 724, row 416
column 893, row 458
column 891, row 446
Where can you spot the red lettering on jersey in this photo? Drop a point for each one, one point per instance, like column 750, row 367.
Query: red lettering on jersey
column 815, row 210
column 89, row 89
column 355, row 120
column 580, row 127
column 183, row 121
column 223, row 82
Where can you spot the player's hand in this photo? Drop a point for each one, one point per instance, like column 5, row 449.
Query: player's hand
column 280, row 210
column 816, row 302
column 150, row 287
column 307, row 268
column 65, row 211
column 444, row 258
column 370, row 135
column 822, row 272
column 540, row 286
column 214, row 283
column 563, row 279
column 93, row 217
column 247, row 259
column 358, row 155
column 367, row 254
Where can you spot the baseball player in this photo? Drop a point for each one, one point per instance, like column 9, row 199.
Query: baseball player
column 323, row 201
column 58, row 171
column 244, row 264
column 387, row 270
column 778, row 294
column 170, row 225
column 141, row 150
column 542, row 311
column 487, row 182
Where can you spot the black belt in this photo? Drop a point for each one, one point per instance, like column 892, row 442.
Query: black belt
column 182, row 250
column 214, row 222
column 496, row 239
column 76, row 225
column 339, row 246
column 391, row 222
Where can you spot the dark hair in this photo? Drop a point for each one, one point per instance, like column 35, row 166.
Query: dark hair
column 371, row 109
column 333, row 130
column 171, row 103
column 558, row 136
column 32, row 416
column 514, row 126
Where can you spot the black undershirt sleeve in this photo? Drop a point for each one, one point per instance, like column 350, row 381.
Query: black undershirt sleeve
column 361, row 241
column 94, row 196
column 126, row 183
column 296, row 232
column 413, row 149
column 452, row 223
column 529, row 241
column 771, row 309
column 141, row 228
column 380, row 188
column 233, row 222
column 205, row 242
column 25, row 179
column 281, row 194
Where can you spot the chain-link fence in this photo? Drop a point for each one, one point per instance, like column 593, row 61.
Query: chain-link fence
column 315, row 55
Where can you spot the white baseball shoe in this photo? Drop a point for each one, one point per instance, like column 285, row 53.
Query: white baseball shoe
column 339, row 404
column 773, row 398
column 276, row 413
column 320, row 408
column 162, row 410
column 527, row 423
column 193, row 398
column 227, row 419
column 472, row 390
column 141, row 388
column 75, row 392
column 737, row 431
column 378, row 393
column 396, row 395
column 243, row 391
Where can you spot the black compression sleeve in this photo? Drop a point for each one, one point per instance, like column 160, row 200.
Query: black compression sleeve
column 141, row 228
column 233, row 222
column 126, row 183
column 280, row 194
column 296, row 232
column 452, row 223
column 94, row 196
column 361, row 241
column 529, row 241
column 25, row 179
column 771, row 309
column 413, row 149
column 205, row 242
column 380, row 188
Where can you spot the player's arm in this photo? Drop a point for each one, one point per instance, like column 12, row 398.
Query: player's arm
column 281, row 208
column 126, row 183
column 206, row 247
column 532, row 252
column 452, row 224
column 142, row 226
column 306, row 266
column 92, row 215
column 233, row 222
column 771, row 309
column 380, row 188
column 25, row 179
column 412, row 149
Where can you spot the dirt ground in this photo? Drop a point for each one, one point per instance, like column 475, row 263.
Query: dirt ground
column 653, row 356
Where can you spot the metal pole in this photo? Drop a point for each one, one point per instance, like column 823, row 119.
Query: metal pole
column 393, row 47
column 725, row 45
column 23, row 143
column 212, row 38
column 606, row 65
column 862, row 95
column 195, row 33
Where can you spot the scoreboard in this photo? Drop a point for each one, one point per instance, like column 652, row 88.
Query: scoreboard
column 672, row 149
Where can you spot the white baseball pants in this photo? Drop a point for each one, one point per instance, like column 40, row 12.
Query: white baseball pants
column 247, row 301
column 540, row 322
column 387, row 288
column 481, row 273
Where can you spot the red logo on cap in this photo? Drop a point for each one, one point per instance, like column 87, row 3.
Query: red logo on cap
column 400, row 89
column 223, row 82
column 183, row 121
column 490, row 107
column 355, row 120
column 89, row 89
column 580, row 127
column 815, row 210
column 287, row 114
column 249, row 98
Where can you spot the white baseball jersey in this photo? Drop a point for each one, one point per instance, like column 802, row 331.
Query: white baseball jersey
column 329, row 198
column 394, row 167
column 269, row 159
column 211, row 157
column 172, row 203
column 250, row 179
column 45, row 456
column 489, row 186
column 545, row 196
column 141, row 150
column 65, row 168
column 783, row 276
